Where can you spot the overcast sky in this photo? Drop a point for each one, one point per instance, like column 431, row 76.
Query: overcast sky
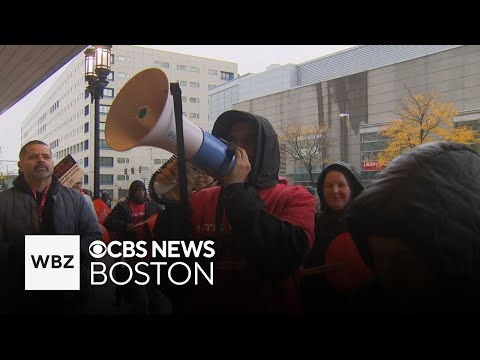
column 250, row 59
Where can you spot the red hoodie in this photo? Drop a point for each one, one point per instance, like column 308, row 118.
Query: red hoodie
column 267, row 231
column 237, row 287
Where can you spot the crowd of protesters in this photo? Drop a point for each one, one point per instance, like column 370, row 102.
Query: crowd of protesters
column 409, row 243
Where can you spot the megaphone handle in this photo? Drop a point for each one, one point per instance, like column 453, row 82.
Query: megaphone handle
column 231, row 150
column 182, row 163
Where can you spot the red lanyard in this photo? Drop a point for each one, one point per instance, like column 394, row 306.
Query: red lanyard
column 42, row 202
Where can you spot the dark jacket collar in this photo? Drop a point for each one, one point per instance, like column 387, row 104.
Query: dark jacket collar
column 20, row 184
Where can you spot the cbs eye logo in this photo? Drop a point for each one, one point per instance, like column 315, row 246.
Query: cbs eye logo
column 97, row 249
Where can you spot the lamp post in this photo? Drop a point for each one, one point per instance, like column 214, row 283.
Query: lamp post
column 344, row 118
column 97, row 68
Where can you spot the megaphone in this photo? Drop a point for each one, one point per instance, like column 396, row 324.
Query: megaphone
column 142, row 114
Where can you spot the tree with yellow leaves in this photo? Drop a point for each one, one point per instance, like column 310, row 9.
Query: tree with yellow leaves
column 305, row 143
column 423, row 118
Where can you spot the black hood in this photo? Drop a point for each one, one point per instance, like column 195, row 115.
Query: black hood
column 350, row 174
column 430, row 198
column 134, row 186
column 266, row 165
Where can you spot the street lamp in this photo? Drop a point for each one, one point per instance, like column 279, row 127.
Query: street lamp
column 97, row 68
column 344, row 136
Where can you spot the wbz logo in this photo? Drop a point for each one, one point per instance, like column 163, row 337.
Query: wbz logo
column 52, row 262
column 56, row 261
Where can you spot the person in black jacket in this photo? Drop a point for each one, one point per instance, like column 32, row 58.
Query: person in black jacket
column 39, row 204
column 123, row 222
column 328, row 293
column 418, row 227
column 127, row 222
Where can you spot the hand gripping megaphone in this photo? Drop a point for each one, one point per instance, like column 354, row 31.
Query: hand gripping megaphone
column 142, row 114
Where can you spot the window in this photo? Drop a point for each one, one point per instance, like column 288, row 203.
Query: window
column 193, row 100
column 157, row 63
column 85, row 127
column 370, row 145
column 101, row 126
column 121, row 160
column 183, row 83
column 123, row 58
column 108, row 92
column 121, row 177
column 106, row 179
column 112, row 58
column 212, row 72
column 193, row 84
column 123, row 75
column 104, row 109
column 475, row 125
column 85, row 177
column 106, row 161
column 184, row 98
column 86, row 147
column 85, row 163
column 182, row 67
column 166, row 65
column 86, row 111
column 104, row 145
column 87, row 93
column 194, row 69
column 193, row 115
column 226, row 75
column 111, row 76
column 157, row 161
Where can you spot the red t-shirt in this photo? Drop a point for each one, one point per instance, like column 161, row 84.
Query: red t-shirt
column 138, row 215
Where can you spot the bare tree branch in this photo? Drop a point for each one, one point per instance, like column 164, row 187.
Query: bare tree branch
column 305, row 143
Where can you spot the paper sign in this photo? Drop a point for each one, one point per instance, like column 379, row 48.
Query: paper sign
column 68, row 171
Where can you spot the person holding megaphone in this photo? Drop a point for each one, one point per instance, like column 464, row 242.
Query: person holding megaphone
column 262, row 227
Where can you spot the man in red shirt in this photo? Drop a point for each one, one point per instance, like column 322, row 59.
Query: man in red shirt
column 127, row 222
column 263, row 228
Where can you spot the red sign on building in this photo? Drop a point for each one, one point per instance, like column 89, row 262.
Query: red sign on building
column 371, row 165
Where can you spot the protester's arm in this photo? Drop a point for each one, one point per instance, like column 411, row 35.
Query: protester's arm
column 274, row 245
column 170, row 225
column 90, row 204
column 89, row 231
column 88, row 225
column 116, row 220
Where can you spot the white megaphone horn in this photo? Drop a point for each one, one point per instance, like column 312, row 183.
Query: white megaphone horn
column 142, row 114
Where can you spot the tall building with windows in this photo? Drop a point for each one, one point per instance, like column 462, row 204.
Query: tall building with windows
column 64, row 117
column 354, row 93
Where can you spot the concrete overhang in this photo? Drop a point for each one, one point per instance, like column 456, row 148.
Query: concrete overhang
column 24, row 67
